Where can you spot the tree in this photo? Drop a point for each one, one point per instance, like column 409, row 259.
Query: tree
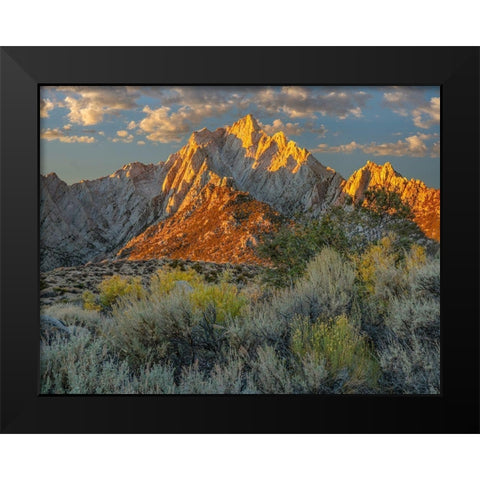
column 387, row 203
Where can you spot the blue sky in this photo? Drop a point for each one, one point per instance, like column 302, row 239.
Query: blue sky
column 89, row 132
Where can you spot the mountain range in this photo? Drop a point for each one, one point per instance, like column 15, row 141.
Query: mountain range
column 209, row 201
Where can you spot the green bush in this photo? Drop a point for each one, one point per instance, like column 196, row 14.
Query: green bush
column 290, row 249
column 343, row 348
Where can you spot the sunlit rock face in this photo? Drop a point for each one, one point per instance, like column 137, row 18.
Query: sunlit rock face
column 424, row 201
column 210, row 201
column 271, row 168
column 217, row 224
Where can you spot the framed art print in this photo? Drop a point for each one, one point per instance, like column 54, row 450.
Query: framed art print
column 220, row 249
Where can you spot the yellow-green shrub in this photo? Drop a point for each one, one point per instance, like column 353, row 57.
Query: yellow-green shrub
column 115, row 287
column 341, row 345
column 163, row 281
column 224, row 297
column 90, row 301
column 415, row 258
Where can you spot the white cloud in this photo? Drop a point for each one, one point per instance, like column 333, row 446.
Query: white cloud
column 194, row 104
column 302, row 102
column 56, row 134
column 122, row 133
column 131, row 125
column 164, row 126
column 67, row 127
column 46, row 106
column 293, row 128
column 347, row 148
column 141, row 142
column 88, row 105
column 101, row 133
column 124, row 139
column 435, row 150
column 410, row 101
column 429, row 115
column 413, row 146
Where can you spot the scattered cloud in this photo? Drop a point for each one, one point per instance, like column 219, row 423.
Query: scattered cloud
column 128, row 138
column 410, row 101
column 347, row 148
column 164, row 125
column 131, row 125
column 300, row 102
column 46, row 106
column 51, row 134
column 292, row 129
column 278, row 125
column 413, row 146
column 102, row 133
column 427, row 116
column 89, row 105
column 67, row 127
column 195, row 104
column 141, row 142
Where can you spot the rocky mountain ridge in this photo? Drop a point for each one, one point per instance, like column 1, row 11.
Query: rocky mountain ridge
column 424, row 201
column 221, row 190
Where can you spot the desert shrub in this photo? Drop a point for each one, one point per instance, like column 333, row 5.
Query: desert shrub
column 116, row 286
column 156, row 380
column 425, row 280
column 382, row 277
column 74, row 315
column 227, row 378
column 270, row 372
column 90, row 301
column 224, row 297
column 411, row 367
column 327, row 288
column 342, row 346
column 415, row 258
column 82, row 365
column 147, row 331
column 163, row 281
column 412, row 315
column 410, row 354
column 312, row 377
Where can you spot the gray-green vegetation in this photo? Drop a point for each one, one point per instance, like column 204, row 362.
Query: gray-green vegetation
column 338, row 312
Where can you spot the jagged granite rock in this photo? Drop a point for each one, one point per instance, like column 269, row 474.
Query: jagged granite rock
column 142, row 209
column 91, row 220
column 424, row 201
column 219, row 224
column 271, row 168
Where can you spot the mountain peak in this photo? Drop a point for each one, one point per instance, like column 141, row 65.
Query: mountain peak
column 245, row 129
column 372, row 165
column 248, row 121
